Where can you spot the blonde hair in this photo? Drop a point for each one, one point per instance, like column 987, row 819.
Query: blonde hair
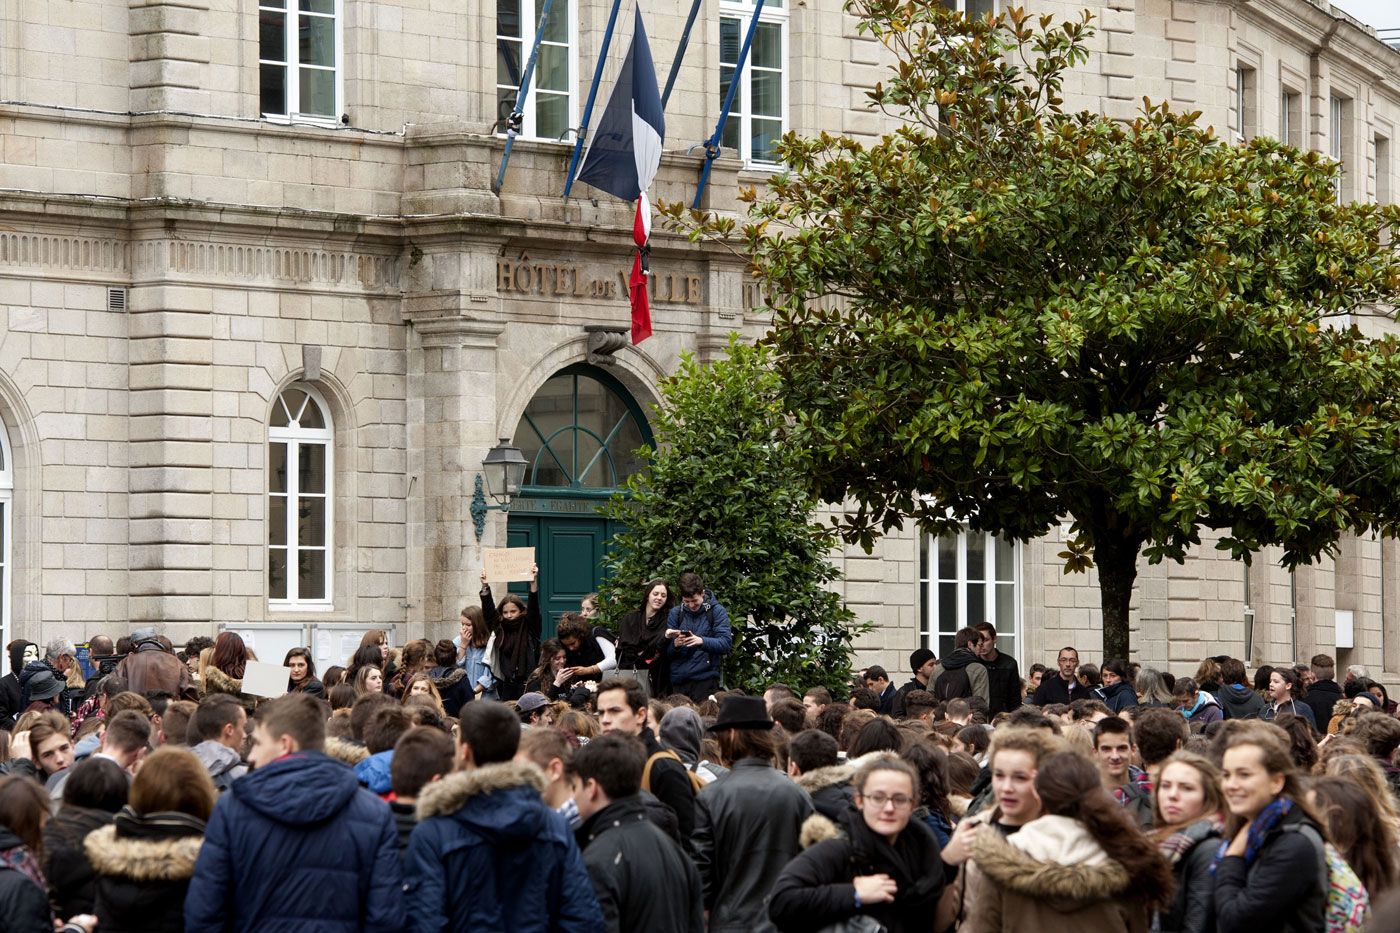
column 432, row 690
column 1032, row 741
column 1363, row 770
column 1214, row 801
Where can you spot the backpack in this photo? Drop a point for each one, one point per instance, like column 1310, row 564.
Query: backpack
column 696, row 781
column 1347, row 901
column 952, row 684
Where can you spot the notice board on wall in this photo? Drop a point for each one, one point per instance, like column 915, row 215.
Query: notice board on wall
column 333, row 643
column 269, row 641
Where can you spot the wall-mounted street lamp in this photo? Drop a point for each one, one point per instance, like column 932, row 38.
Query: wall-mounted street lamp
column 504, row 467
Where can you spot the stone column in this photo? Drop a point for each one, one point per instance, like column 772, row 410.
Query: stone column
column 168, row 55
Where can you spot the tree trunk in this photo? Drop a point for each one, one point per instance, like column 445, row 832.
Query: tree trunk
column 1116, row 562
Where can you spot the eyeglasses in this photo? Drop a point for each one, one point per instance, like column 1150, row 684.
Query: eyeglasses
column 900, row 801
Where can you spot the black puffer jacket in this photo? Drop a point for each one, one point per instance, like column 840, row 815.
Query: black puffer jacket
column 747, row 826
column 643, row 879
column 144, row 865
column 71, row 877
column 454, row 688
column 830, row 789
column 1284, row 890
column 817, row 889
column 1003, row 684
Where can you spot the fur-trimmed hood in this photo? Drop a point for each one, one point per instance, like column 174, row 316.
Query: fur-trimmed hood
column 830, row 776
column 448, row 680
column 817, row 828
column 1064, row 885
column 447, row 795
column 345, row 751
column 142, row 859
column 216, row 681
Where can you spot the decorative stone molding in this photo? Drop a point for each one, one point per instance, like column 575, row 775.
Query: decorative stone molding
column 603, row 341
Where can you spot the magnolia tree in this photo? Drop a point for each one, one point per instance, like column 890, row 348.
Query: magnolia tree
column 1006, row 316
column 725, row 498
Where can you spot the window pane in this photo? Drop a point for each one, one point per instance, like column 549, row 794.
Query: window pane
column 311, row 467
column 277, row 468
column 505, row 103
column 948, row 607
column 948, row 557
column 976, row 604
column 279, row 4
column 508, row 18
column 273, row 90
column 557, row 29
column 317, row 92
column 945, row 645
column 293, row 399
column 730, row 139
column 311, row 522
column 277, row 521
column 508, row 63
column 1006, row 609
column 766, row 51
column 317, row 36
column 317, row 6
column 625, row 444
column 726, row 76
column 312, row 416
column 766, row 91
column 729, row 41
column 766, row 135
column 976, row 559
column 980, row 8
column 277, row 573
column 1006, row 559
column 552, row 68
column 272, row 36
column 551, row 115
column 311, row 574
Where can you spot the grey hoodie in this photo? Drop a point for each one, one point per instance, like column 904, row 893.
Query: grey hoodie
column 681, row 731
column 222, row 762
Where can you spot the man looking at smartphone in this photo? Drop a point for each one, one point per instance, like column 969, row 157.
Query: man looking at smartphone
column 697, row 639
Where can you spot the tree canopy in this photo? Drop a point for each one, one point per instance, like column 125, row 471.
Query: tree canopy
column 725, row 499
column 1005, row 315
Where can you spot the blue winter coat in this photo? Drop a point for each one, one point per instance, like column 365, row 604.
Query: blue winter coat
column 711, row 623
column 373, row 772
column 297, row 846
column 488, row 854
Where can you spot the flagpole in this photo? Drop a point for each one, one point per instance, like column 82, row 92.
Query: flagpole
column 518, row 114
column 680, row 53
column 712, row 144
column 592, row 93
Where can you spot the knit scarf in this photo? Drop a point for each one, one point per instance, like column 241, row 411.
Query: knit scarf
column 1174, row 845
column 20, row 859
column 1200, row 701
column 1267, row 819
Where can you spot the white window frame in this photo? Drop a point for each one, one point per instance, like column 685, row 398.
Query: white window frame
column 7, row 491
column 1337, row 126
column 743, row 100
column 529, row 22
column 292, row 10
column 293, row 437
column 960, row 6
column 934, row 628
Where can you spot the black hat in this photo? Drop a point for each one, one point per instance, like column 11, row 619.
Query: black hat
column 44, row 686
column 919, row 658
column 743, row 713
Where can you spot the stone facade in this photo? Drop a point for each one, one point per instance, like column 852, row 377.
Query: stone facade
column 171, row 261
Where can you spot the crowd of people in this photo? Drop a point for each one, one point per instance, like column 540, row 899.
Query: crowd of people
column 603, row 781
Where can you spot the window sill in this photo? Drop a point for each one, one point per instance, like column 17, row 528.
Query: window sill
column 284, row 606
column 302, row 119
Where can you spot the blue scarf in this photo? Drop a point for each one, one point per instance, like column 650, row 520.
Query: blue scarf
column 1262, row 824
column 1200, row 701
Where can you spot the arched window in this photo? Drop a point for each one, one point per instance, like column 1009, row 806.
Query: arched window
column 299, row 522
column 582, row 431
column 7, row 489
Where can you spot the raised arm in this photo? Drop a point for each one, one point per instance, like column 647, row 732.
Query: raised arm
column 533, row 621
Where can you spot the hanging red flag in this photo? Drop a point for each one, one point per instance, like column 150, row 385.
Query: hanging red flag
column 637, row 283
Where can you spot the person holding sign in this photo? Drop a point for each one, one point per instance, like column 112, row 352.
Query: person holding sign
column 517, row 627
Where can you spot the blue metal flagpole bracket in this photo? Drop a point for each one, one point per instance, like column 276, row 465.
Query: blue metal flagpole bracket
column 680, row 53
column 592, row 94
column 712, row 146
column 517, row 116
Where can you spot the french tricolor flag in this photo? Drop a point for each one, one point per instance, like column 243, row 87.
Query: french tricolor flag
column 622, row 157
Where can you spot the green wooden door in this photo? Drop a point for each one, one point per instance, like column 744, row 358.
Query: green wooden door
column 570, row 554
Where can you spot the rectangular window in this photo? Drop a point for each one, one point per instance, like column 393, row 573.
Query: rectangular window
column 1244, row 103
column 550, row 100
column 299, row 53
column 1382, row 170
column 758, row 115
column 974, row 9
column 1339, row 142
column 1291, row 118
column 965, row 579
column 299, row 501
column 1248, row 615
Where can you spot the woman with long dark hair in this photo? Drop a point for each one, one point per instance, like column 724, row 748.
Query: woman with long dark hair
column 1269, row 876
column 24, row 899
column 1358, row 829
column 639, row 637
column 364, row 656
column 551, row 677
column 474, row 648
column 935, row 809
column 225, row 671
column 1189, row 816
column 1083, row 865
column 1286, row 693
column 517, row 626
column 301, row 676
column 95, row 791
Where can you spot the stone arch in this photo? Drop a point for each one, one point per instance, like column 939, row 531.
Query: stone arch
column 637, row 370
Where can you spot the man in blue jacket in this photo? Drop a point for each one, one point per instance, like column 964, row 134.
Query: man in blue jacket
column 297, row 844
column 697, row 639
column 488, row 853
